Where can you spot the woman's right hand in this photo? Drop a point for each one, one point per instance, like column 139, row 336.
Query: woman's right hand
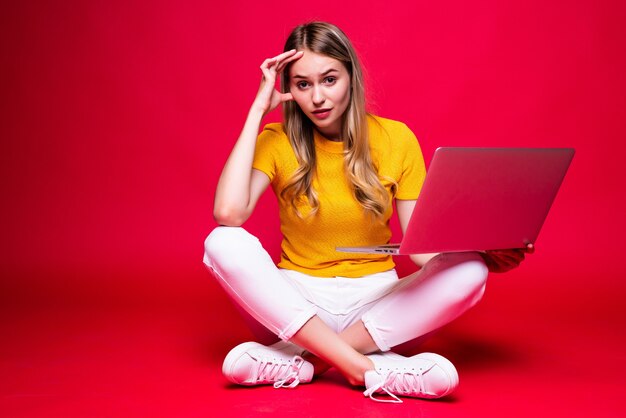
column 268, row 97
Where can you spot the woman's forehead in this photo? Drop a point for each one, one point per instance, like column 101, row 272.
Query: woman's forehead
column 313, row 65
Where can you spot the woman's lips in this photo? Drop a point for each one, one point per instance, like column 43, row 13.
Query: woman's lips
column 322, row 113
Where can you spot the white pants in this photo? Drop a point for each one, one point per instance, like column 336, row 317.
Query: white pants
column 393, row 310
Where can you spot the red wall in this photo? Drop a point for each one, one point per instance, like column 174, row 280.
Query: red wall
column 117, row 116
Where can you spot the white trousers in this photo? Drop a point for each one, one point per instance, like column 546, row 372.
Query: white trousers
column 393, row 310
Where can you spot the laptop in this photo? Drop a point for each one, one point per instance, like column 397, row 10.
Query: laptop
column 476, row 199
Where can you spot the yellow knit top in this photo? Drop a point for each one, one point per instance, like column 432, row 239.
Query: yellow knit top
column 309, row 243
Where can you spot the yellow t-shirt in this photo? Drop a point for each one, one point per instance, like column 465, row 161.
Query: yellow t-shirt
column 309, row 243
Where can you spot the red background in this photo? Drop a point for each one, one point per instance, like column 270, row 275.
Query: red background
column 117, row 117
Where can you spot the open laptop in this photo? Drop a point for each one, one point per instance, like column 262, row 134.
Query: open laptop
column 481, row 199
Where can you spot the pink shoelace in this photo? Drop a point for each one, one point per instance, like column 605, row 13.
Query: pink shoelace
column 284, row 375
column 399, row 383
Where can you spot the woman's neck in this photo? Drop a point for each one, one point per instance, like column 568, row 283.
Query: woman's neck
column 335, row 137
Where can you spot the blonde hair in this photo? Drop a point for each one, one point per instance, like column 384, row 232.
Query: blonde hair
column 327, row 39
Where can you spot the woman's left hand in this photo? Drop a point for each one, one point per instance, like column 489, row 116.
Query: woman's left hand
column 500, row 261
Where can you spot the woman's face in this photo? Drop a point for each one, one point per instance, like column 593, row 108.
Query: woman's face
column 320, row 85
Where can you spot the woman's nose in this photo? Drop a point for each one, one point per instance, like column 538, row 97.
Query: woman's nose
column 318, row 96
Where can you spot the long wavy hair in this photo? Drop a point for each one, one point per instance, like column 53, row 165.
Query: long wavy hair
column 327, row 39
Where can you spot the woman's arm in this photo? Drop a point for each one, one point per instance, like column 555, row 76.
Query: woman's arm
column 405, row 209
column 240, row 187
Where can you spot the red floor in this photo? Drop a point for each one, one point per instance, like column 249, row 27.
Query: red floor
column 82, row 347
column 117, row 117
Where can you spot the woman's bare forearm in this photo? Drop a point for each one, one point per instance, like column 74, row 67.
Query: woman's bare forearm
column 232, row 196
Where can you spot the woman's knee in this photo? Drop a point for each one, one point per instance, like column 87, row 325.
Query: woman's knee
column 224, row 242
column 476, row 272
column 470, row 279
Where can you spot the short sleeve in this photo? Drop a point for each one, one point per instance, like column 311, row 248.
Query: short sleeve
column 413, row 168
column 265, row 153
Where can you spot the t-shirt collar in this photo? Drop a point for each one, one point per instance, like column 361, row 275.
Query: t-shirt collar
column 335, row 147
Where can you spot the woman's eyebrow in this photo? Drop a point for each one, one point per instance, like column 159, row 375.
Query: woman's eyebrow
column 330, row 70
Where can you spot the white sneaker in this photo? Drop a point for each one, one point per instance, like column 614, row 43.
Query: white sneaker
column 252, row 364
column 425, row 375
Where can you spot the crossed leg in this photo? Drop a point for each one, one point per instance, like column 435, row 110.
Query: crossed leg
column 418, row 304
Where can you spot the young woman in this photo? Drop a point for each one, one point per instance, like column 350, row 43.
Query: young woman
column 336, row 171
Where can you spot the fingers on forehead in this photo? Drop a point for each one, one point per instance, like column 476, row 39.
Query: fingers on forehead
column 290, row 55
column 286, row 54
column 287, row 61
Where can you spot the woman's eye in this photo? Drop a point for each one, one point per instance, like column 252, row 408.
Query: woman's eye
column 302, row 84
column 330, row 80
